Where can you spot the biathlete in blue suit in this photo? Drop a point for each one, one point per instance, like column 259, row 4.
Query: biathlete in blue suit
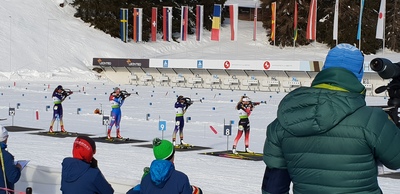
column 59, row 95
column 181, row 105
column 117, row 98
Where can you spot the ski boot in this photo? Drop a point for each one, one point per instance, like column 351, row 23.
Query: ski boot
column 51, row 129
column 62, row 129
column 119, row 135
column 109, row 134
column 184, row 143
column 234, row 150
column 249, row 151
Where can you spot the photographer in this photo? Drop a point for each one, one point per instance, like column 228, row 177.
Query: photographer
column 181, row 105
column 326, row 138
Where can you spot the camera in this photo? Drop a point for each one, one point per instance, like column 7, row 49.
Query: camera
column 388, row 70
column 385, row 68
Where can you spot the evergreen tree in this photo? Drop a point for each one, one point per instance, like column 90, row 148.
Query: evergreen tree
column 392, row 29
column 104, row 14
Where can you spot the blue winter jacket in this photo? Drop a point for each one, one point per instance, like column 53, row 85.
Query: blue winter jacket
column 13, row 173
column 78, row 177
column 163, row 178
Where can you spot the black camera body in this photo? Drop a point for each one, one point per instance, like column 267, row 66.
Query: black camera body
column 388, row 70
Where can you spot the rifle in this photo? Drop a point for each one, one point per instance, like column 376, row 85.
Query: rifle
column 189, row 101
column 126, row 94
column 258, row 103
column 66, row 92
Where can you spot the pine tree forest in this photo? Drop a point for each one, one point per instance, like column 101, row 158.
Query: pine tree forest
column 104, row 15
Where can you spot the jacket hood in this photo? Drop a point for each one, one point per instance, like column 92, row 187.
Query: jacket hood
column 161, row 171
column 73, row 168
column 334, row 94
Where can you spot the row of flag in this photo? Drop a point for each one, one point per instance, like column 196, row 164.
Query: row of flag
column 312, row 21
column 233, row 11
column 167, row 23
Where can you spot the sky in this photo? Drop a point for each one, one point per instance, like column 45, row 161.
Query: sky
column 43, row 45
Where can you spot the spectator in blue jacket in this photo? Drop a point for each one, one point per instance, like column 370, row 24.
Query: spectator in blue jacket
column 163, row 178
column 12, row 171
column 80, row 173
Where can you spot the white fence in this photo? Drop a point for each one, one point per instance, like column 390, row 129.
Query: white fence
column 251, row 80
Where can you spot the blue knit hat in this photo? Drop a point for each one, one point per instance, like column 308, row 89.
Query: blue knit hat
column 348, row 57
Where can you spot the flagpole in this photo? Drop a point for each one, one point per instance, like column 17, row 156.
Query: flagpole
column 360, row 23
column 359, row 40
column 255, row 21
column 383, row 40
column 335, row 22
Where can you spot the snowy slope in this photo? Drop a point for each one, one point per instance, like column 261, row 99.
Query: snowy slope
column 44, row 45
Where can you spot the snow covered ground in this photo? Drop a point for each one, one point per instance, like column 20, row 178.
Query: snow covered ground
column 124, row 163
column 43, row 45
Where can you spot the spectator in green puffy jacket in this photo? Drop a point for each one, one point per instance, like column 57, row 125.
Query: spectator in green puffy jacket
column 326, row 137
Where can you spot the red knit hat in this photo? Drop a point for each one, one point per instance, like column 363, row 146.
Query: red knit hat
column 84, row 148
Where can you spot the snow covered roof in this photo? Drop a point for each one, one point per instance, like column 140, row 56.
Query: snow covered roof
column 244, row 3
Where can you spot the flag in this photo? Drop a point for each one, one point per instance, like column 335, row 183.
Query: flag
column 216, row 22
column 233, row 16
column 137, row 24
column 184, row 22
column 311, row 31
column 154, row 24
column 273, row 19
column 360, row 20
column 123, row 26
column 295, row 22
column 167, row 23
column 255, row 23
column 380, row 27
column 199, row 22
column 336, row 21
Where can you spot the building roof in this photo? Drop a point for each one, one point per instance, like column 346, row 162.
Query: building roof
column 244, row 3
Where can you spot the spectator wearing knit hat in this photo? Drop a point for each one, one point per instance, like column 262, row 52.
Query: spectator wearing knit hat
column 80, row 173
column 325, row 137
column 162, row 177
column 12, row 171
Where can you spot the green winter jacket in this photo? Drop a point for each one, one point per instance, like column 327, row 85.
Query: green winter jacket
column 329, row 140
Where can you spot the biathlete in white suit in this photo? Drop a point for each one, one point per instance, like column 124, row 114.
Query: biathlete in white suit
column 244, row 108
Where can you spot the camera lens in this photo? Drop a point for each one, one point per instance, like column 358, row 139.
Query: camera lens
column 377, row 64
column 385, row 68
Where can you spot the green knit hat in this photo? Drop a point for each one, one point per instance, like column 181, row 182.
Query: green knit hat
column 162, row 149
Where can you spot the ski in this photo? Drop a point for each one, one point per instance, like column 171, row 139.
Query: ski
column 184, row 146
column 247, row 153
column 117, row 139
column 61, row 133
